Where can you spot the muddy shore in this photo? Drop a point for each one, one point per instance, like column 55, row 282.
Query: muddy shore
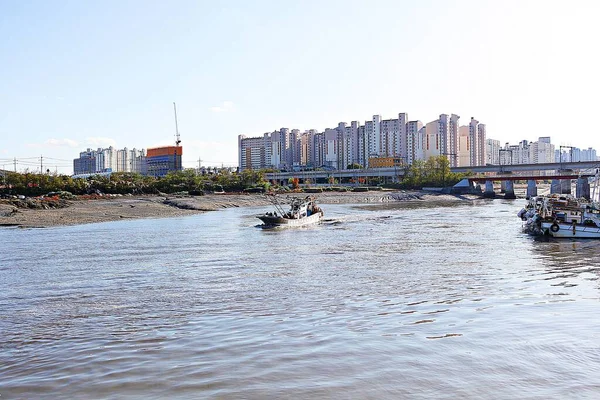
column 75, row 212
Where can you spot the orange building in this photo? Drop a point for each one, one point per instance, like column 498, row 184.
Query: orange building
column 162, row 160
column 383, row 162
column 164, row 151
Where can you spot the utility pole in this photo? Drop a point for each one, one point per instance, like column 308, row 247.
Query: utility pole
column 41, row 164
column 15, row 161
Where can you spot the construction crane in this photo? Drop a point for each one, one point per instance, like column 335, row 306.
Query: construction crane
column 177, row 137
column 177, row 141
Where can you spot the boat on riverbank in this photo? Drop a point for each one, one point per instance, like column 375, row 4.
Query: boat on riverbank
column 302, row 211
column 561, row 216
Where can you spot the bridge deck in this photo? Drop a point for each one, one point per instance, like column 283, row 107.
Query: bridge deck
column 526, row 177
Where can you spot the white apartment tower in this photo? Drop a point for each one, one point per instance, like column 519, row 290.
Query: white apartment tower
column 106, row 160
column 481, row 142
column 373, row 131
column 414, row 141
column 477, row 136
column 331, row 148
column 389, row 135
column 349, row 144
column 516, row 154
column 432, row 139
column 341, row 144
column 492, row 151
column 444, row 136
column 123, row 164
column 318, row 153
column 401, row 146
column 542, row 151
column 253, row 152
column 464, row 146
column 277, row 150
column 453, row 128
column 362, row 155
column 294, row 150
column 137, row 159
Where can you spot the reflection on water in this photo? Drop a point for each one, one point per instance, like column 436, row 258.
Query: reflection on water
column 414, row 300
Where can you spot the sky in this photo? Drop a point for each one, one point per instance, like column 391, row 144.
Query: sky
column 87, row 74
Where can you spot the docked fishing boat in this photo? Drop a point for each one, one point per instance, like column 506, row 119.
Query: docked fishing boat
column 302, row 211
column 561, row 216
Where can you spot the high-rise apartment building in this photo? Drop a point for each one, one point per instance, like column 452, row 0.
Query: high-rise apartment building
column 348, row 148
column 373, row 131
column 389, row 134
column 415, row 142
column 253, row 151
column 377, row 138
column 443, row 125
column 331, row 148
column 432, row 139
column 481, row 144
column 542, row 151
column 492, row 151
column 477, row 137
column 464, row 146
column 453, row 128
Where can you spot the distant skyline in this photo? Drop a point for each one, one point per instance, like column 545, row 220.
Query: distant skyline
column 79, row 74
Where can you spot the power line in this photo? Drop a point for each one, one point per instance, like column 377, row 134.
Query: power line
column 57, row 159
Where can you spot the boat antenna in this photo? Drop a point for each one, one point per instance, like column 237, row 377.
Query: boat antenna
column 275, row 201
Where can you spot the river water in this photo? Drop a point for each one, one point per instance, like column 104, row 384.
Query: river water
column 380, row 301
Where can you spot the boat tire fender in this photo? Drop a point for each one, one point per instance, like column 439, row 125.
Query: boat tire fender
column 554, row 227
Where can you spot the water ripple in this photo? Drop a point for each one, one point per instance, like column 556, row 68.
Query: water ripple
column 387, row 301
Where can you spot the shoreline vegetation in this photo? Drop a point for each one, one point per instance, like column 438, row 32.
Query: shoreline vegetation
column 34, row 213
column 45, row 200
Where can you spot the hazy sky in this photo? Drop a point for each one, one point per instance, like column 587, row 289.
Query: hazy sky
column 79, row 74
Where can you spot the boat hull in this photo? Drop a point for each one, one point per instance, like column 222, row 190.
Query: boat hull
column 272, row 221
column 562, row 230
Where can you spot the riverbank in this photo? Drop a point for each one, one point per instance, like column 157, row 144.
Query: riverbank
column 76, row 212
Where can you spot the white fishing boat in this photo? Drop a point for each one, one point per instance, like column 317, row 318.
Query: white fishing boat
column 561, row 216
column 302, row 211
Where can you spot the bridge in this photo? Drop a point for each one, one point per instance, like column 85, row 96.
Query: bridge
column 392, row 173
column 563, row 166
column 396, row 173
column 561, row 175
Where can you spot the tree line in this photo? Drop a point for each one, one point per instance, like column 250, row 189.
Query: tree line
column 32, row 184
column 433, row 172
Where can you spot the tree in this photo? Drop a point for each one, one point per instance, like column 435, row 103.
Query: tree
column 433, row 172
column 354, row 166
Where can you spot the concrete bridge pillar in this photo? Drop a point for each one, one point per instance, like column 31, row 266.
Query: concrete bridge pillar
column 565, row 186
column 560, row 186
column 583, row 188
column 555, row 186
column 509, row 190
column 531, row 189
column 503, row 186
column 489, row 190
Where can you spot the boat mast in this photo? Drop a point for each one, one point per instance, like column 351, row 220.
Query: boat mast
column 595, row 184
